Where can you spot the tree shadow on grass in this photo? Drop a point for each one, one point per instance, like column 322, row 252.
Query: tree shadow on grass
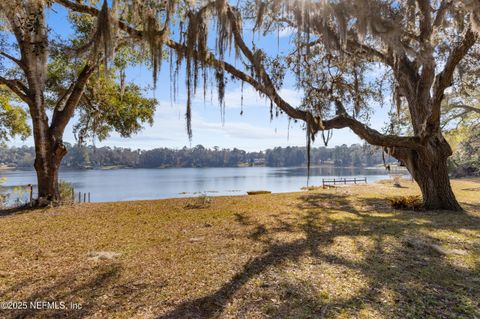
column 87, row 288
column 16, row 210
column 471, row 206
column 420, row 282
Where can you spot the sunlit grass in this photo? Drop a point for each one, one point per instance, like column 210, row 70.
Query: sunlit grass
column 336, row 253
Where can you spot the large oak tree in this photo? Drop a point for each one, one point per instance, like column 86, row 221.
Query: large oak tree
column 340, row 49
column 57, row 76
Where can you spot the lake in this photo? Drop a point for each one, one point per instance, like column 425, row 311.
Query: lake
column 136, row 183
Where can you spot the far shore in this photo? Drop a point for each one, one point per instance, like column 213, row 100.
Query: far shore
column 6, row 167
column 115, row 167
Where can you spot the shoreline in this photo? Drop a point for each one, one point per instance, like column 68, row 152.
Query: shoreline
column 256, row 192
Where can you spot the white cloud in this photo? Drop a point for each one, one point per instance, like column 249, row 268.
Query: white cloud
column 251, row 98
column 245, row 130
column 286, row 32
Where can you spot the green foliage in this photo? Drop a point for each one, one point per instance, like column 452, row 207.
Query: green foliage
column 109, row 106
column 13, row 118
column 109, row 102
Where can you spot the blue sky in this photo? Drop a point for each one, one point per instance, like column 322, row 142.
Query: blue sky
column 251, row 131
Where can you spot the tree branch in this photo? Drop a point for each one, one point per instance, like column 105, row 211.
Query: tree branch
column 12, row 58
column 265, row 85
column 467, row 108
column 445, row 77
column 370, row 135
column 17, row 87
column 266, row 81
column 425, row 20
column 352, row 45
column 449, row 119
column 81, row 8
column 62, row 116
column 442, row 10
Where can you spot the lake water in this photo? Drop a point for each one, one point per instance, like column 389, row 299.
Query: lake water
column 133, row 184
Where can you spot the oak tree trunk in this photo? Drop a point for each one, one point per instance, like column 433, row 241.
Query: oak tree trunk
column 33, row 43
column 429, row 169
column 433, row 180
column 47, row 168
column 49, row 152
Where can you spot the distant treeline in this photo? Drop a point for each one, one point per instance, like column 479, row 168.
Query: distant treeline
column 199, row 156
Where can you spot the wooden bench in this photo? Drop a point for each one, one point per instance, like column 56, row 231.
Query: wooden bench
column 344, row 181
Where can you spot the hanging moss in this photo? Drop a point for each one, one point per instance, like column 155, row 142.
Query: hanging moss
column 241, row 97
column 309, row 142
column 220, row 79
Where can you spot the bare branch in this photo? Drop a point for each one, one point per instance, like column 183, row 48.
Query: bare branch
column 17, row 87
column 467, row 108
column 352, row 45
column 444, row 79
column 81, row 8
column 8, row 56
column 442, row 9
column 449, row 119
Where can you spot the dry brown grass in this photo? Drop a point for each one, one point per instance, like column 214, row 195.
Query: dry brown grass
column 409, row 202
column 334, row 253
column 258, row 192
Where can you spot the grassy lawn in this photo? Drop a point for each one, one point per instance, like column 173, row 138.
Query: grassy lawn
column 333, row 253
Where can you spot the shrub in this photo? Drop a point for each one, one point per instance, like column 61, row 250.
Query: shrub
column 3, row 194
column 21, row 195
column 202, row 201
column 11, row 197
column 258, row 192
column 311, row 188
column 412, row 202
column 65, row 189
